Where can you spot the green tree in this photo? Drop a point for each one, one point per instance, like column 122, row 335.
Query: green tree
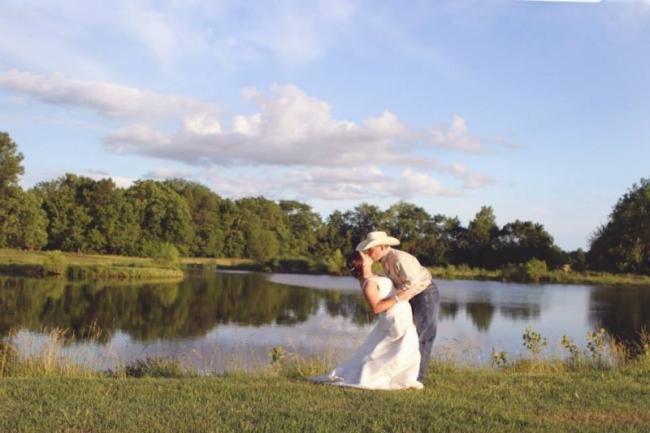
column 409, row 223
column 445, row 244
column 302, row 225
column 481, row 235
column 205, row 208
column 10, row 164
column 258, row 215
column 22, row 223
column 68, row 220
column 521, row 241
column 365, row 218
column 29, row 227
column 163, row 216
column 623, row 243
column 234, row 242
column 335, row 234
column 262, row 245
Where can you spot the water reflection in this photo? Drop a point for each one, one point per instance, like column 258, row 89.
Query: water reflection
column 244, row 307
column 166, row 310
column 481, row 314
column 624, row 312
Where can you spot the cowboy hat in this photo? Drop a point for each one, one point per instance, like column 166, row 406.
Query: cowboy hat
column 376, row 238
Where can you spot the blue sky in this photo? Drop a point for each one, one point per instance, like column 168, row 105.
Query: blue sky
column 536, row 108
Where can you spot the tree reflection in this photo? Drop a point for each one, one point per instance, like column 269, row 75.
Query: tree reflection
column 481, row 314
column 521, row 312
column 148, row 311
column 448, row 310
column 623, row 312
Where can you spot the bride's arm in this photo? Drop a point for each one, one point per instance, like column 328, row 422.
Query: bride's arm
column 379, row 305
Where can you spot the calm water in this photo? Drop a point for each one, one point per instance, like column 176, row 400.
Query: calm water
column 222, row 320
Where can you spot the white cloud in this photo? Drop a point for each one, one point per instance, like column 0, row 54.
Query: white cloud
column 108, row 99
column 167, row 173
column 292, row 133
column 471, row 180
column 120, row 181
column 292, row 128
column 455, row 136
column 330, row 183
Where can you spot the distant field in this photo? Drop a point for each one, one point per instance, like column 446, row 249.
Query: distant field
column 84, row 266
column 222, row 261
column 549, row 277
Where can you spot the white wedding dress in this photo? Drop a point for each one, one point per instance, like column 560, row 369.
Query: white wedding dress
column 389, row 358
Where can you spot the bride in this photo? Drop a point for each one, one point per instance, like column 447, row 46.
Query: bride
column 389, row 358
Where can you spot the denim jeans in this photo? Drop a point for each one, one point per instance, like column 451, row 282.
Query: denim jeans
column 425, row 307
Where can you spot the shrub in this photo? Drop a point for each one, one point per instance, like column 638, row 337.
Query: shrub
column 336, row 263
column 535, row 270
column 533, row 341
column 597, row 344
column 166, row 255
column 55, row 263
column 513, row 272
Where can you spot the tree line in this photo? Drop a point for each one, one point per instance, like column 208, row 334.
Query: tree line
column 77, row 213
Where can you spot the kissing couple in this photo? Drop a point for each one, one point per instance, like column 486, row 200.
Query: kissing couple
column 396, row 353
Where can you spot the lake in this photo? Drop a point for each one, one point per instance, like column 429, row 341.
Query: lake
column 216, row 321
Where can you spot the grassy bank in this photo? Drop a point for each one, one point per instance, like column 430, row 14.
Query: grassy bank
column 549, row 277
column 459, row 401
column 76, row 266
column 585, row 392
column 94, row 266
column 513, row 273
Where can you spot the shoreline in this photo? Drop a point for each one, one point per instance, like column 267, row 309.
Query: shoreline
column 80, row 266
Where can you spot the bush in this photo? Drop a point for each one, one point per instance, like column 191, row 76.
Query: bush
column 513, row 272
column 55, row 263
column 166, row 255
column 336, row 263
column 535, row 270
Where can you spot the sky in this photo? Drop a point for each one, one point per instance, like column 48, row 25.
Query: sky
column 538, row 109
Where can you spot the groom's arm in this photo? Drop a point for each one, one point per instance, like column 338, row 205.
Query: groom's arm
column 411, row 274
column 379, row 305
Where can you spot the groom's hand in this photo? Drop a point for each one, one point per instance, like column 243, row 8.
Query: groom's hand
column 407, row 294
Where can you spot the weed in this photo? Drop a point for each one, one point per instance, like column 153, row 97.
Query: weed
column 154, row 367
column 533, row 341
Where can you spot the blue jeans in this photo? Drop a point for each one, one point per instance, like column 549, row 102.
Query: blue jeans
column 425, row 307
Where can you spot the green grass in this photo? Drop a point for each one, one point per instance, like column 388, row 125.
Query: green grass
column 48, row 393
column 549, row 277
column 97, row 266
column 83, row 266
column 215, row 261
column 476, row 401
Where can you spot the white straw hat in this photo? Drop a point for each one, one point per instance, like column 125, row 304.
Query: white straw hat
column 376, row 238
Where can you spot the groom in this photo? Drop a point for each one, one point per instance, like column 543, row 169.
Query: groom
column 406, row 272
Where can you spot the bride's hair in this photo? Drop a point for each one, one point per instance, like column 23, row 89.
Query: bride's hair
column 355, row 264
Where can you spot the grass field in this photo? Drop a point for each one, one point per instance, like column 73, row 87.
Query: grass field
column 470, row 401
column 549, row 277
column 583, row 393
column 76, row 266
